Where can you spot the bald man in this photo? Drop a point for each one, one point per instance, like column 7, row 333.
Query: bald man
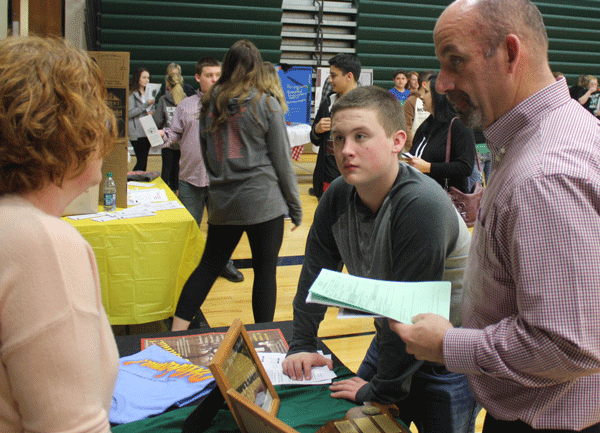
column 530, row 342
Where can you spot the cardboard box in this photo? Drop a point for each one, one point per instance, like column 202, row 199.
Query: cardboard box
column 116, row 163
column 86, row 203
column 115, row 67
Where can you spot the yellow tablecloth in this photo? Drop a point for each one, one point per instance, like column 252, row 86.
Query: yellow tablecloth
column 144, row 262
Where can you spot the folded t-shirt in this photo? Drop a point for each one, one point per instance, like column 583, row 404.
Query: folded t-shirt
column 153, row 380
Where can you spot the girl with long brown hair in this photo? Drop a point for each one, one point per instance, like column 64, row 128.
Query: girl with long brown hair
column 252, row 182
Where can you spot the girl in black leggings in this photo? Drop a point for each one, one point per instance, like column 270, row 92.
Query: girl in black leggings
column 247, row 155
column 265, row 241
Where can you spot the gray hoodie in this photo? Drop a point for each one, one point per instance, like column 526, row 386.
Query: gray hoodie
column 252, row 179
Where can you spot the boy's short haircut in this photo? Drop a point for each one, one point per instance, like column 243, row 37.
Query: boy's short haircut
column 424, row 76
column 388, row 108
column 346, row 63
column 206, row 61
column 399, row 71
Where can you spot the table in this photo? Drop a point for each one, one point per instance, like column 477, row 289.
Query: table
column 144, row 262
column 305, row 408
column 298, row 135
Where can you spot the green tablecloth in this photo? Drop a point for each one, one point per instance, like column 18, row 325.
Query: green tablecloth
column 305, row 408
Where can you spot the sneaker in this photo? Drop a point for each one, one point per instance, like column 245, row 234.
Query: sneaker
column 230, row 273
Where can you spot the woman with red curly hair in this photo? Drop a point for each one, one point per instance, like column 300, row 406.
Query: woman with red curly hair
column 59, row 358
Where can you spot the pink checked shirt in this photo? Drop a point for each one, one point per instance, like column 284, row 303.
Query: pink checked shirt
column 533, row 300
column 185, row 129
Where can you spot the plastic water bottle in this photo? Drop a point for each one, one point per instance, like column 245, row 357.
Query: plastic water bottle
column 110, row 194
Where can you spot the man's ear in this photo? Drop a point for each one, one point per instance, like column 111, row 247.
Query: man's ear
column 399, row 141
column 197, row 77
column 512, row 44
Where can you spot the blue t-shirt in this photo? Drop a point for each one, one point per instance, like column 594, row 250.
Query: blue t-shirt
column 153, row 380
column 400, row 96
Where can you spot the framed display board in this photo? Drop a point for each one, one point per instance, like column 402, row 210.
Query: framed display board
column 244, row 383
column 254, row 419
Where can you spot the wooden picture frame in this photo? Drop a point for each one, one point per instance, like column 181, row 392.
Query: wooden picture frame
column 236, row 367
column 254, row 419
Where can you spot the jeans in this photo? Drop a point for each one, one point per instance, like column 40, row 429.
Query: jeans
column 193, row 198
column 368, row 366
column 486, row 162
column 474, row 178
column 439, row 401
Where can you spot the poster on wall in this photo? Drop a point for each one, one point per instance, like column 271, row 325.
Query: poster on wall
column 365, row 79
column 296, row 82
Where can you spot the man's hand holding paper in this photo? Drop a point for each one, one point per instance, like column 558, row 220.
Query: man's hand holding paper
column 425, row 337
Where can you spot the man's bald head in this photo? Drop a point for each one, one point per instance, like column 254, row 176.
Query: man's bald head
column 499, row 18
column 493, row 54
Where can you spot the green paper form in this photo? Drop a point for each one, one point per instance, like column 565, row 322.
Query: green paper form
column 397, row 300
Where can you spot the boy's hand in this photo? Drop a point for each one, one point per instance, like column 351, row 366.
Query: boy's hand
column 298, row 365
column 347, row 388
column 324, row 125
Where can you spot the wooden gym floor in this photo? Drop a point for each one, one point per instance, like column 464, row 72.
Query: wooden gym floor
column 348, row 338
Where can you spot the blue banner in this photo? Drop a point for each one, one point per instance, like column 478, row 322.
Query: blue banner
column 296, row 83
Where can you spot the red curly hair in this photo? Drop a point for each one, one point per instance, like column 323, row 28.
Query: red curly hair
column 53, row 115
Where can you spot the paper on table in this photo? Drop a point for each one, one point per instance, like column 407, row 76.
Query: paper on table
column 272, row 364
column 397, row 300
column 140, row 184
column 151, row 131
column 146, row 195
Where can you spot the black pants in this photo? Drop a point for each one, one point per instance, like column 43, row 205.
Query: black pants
column 492, row 425
column 265, row 241
column 170, row 167
column 141, row 147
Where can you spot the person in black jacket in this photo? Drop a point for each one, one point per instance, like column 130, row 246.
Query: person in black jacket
column 429, row 143
column 344, row 73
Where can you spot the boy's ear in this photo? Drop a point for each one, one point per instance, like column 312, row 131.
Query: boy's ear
column 399, row 141
column 197, row 77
